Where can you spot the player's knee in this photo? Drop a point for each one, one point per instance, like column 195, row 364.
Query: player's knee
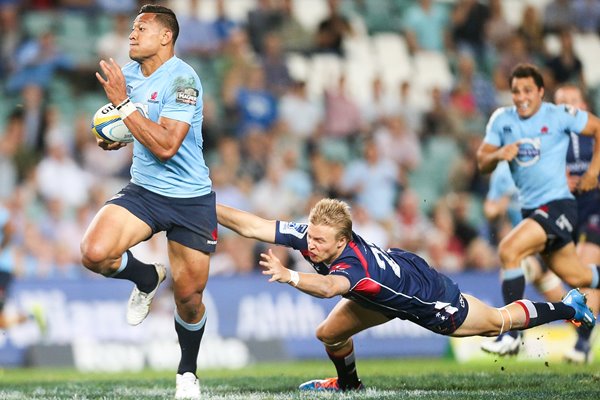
column 188, row 298
column 507, row 253
column 576, row 281
column 326, row 335
column 93, row 256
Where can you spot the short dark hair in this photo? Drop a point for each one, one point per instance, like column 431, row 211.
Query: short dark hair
column 164, row 15
column 525, row 70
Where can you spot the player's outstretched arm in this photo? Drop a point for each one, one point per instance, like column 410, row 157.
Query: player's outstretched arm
column 323, row 286
column 246, row 224
column 589, row 180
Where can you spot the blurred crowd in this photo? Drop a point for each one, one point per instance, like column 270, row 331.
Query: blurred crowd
column 382, row 103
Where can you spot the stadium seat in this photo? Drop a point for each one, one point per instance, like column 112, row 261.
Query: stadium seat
column 552, row 43
column 298, row 66
column 359, row 79
column 72, row 27
column 37, row 22
column 391, row 58
column 431, row 69
column 324, row 72
column 310, row 12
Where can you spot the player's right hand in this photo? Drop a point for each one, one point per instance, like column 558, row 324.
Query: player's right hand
column 508, row 152
column 104, row 145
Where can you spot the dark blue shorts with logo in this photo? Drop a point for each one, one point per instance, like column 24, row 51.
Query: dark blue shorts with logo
column 191, row 222
column 559, row 220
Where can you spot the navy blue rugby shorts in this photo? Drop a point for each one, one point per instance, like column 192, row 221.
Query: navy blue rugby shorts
column 559, row 220
column 191, row 222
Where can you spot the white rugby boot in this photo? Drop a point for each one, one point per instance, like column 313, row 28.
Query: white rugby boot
column 187, row 386
column 138, row 306
column 504, row 345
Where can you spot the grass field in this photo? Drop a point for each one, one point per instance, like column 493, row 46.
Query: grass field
column 385, row 379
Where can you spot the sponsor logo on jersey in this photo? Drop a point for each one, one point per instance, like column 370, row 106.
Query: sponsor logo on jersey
column 529, row 151
column 544, row 130
column 293, row 228
column 187, row 95
column 507, row 129
column 153, row 98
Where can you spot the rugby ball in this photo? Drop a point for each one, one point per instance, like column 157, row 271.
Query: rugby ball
column 108, row 125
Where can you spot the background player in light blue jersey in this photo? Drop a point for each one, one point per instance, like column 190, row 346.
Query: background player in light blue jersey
column 502, row 203
column 159, row 97
column 587, row 235
column 533, row 137
column 379, row 286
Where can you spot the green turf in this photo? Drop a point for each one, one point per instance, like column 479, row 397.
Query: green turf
column 385, row 379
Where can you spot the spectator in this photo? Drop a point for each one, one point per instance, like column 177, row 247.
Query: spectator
column 263, row 19
column 410, row 228
column 372, row 181
column 224, row 26
column 277, row 76
column 35, row 63
column 301, row 114
column 332, row 30
column 587, row 16
column 257, row 108
column 565, row 67
column 294, row 37
column 115, row 43
column 198, row 38
column 11, row 36
column 469, row 18
column 425, row 25
column 531, row 29
column 558, row 15
column 72, row 187
column 398, row 143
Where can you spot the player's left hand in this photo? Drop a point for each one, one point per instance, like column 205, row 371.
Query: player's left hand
column 114, row 84
column 588, row 181
column 273, row 267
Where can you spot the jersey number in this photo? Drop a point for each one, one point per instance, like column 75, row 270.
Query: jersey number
column 383, row 259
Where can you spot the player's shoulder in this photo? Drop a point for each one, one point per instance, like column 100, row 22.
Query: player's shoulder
column 502, row 114
column 180, row 67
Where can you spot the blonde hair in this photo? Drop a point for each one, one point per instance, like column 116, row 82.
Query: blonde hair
column 334, row 213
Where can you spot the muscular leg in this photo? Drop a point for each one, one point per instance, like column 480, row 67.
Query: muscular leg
column 485, row 320
column 113, row 231
column 345, row 320
column 106, row 243
column 565, row 263
column 524, row 240
column 189, row 269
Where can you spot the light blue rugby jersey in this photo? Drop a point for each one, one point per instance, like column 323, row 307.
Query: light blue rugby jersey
column 539, row 168
column 172, row 91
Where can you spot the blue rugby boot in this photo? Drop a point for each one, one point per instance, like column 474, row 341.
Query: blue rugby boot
column 583, row 314
column 329, row 385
